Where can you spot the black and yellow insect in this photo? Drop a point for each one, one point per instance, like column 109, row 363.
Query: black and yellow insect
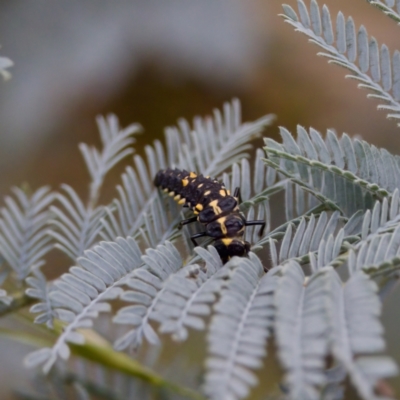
column 213, row 206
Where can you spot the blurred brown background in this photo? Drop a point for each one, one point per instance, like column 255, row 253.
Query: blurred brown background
column 152, row 62
column 155, row 61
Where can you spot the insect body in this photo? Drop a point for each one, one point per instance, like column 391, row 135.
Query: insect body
column 213, row 206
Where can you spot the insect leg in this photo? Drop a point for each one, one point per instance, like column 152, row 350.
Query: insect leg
column 257, row 222
column 197, row 235
column 187, row 221
column 237, row 194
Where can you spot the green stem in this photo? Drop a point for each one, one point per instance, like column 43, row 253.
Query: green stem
column 98, row 350
column 26, row 338
column 20, row 300
column 107, row 356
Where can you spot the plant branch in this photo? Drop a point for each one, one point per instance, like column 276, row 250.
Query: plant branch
column 19, row 300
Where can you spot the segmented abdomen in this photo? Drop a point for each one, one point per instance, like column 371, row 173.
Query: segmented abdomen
column 197, row 191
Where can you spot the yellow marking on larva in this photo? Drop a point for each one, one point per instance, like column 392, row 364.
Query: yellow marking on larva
column 217, row 210
column 208, row 177
column 195, row 212
column 222, row 192
column 199, row 207
column 227, row 241
column 165, row 190
column 185, row 182
column 192, row 175
column 177, row 197
column 228, row 192
column 182, row 201
column 207, row 192
column 201, row 184
column 172, row 194
column 221, row 221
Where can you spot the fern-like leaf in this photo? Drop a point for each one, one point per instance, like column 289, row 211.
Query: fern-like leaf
column 147, row 287
column 355, row 330
column 76, row 227
column 342, row 173
column 24, row 238
column 136, row 195
column 383, row 218
column 300, row 329
column 115, row 146
column 40, row 289
column 76, row 224
column 389, row 8
column 239, row 330
column 376, row 70
column 188, row 295
column 311, row 236
column 85, row 291
column 377, row 256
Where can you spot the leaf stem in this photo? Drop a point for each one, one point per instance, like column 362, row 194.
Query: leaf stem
column 100, row 351
column 19, row 300
column 107, row 356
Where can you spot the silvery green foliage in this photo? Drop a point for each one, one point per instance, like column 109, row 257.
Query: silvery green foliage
column 209, row 147
column 116, row 145
column 86, row 291
column 257, row 182
column 334, row 389
column 40, row 289
column 300, row 331
column 383, row 218
column 298, row 201
column 378, row 256
column 373, row 67
column 352, row 336
column 75, row 227
column 341, row 205
column 24, row 239
column 329, row 317
column 160, row 222
column 257, row 185
column 189, row 294
column 146, row 287
column 345, row 174
column 318, row 235
column 239, row 330
column 390, row 7
column 77, row 224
